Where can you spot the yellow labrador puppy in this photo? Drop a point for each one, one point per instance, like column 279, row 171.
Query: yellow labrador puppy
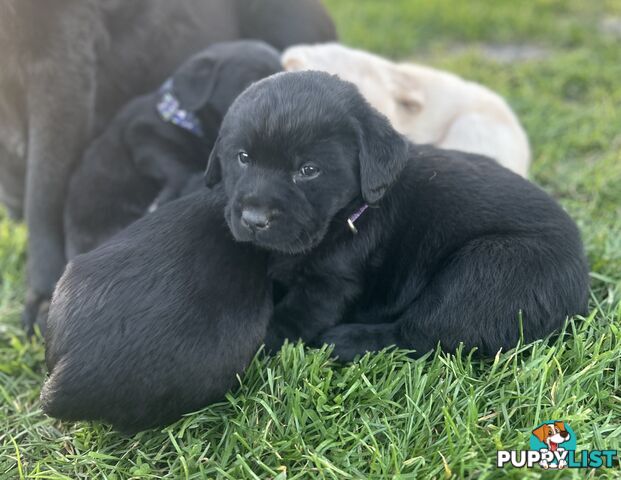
column 427, row 105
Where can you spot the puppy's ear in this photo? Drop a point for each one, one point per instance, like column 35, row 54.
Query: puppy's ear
column 383, row 154
column 560, row 426
column 213, row 173
column 293, row 59
column 541, row 433
column 195, row 82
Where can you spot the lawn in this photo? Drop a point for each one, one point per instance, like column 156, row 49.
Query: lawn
column 300, row 415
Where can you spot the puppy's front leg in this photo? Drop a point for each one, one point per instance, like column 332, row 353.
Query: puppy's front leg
column 165, row 168
column 168, row 193
column 310, row 308
column 61, row 90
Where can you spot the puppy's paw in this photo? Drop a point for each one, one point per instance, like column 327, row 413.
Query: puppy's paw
column 35, row 312
column 354, row 339
column 167, row 194
column 273, row 341
column 345, row 349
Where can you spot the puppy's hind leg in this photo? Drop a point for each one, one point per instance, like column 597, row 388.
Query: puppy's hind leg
column 476, row 299
column 498, row 288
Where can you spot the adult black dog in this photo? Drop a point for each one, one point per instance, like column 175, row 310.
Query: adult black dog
column 158, row 321
column 454, row 248
column 69, row 65
column 155, row 143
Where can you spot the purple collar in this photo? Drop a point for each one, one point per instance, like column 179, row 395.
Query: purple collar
column 355, row 216
column 170, row 110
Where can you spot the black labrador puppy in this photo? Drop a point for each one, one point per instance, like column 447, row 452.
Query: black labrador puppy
column 151, row 148
column 69, row 65
column 158, row 321
column 379, row 242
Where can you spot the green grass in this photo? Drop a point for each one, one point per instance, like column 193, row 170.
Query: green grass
column 300, row 415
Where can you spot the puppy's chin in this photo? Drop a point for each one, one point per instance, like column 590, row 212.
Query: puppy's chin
column 280, row 238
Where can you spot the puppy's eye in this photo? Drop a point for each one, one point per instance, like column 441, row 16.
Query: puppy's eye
column 409, row 106
column 243, row 157
column 309, row 171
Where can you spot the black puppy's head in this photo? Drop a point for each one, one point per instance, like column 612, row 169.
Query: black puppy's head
column 295, row 152
column 209, row 81
column 206, row 85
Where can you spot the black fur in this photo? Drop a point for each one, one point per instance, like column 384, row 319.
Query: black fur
column 158, row 321
column 454, row 249
column 141, row 161
column 69, row 65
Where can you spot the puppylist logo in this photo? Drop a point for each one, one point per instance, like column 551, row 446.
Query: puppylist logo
column 553, row 446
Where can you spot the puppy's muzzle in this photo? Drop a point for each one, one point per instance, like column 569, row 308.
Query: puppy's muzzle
column 256, row 219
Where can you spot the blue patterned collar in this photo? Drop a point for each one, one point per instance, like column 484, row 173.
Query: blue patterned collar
column 170, row 110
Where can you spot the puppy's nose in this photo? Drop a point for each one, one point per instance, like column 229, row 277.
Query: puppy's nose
column 255, row 218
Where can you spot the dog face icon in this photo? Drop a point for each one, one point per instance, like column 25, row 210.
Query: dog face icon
column 552, row 434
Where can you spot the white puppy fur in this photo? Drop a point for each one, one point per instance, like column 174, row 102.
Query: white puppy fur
column 427, row 105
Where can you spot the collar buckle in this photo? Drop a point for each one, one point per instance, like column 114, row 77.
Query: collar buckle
column 351, row 220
